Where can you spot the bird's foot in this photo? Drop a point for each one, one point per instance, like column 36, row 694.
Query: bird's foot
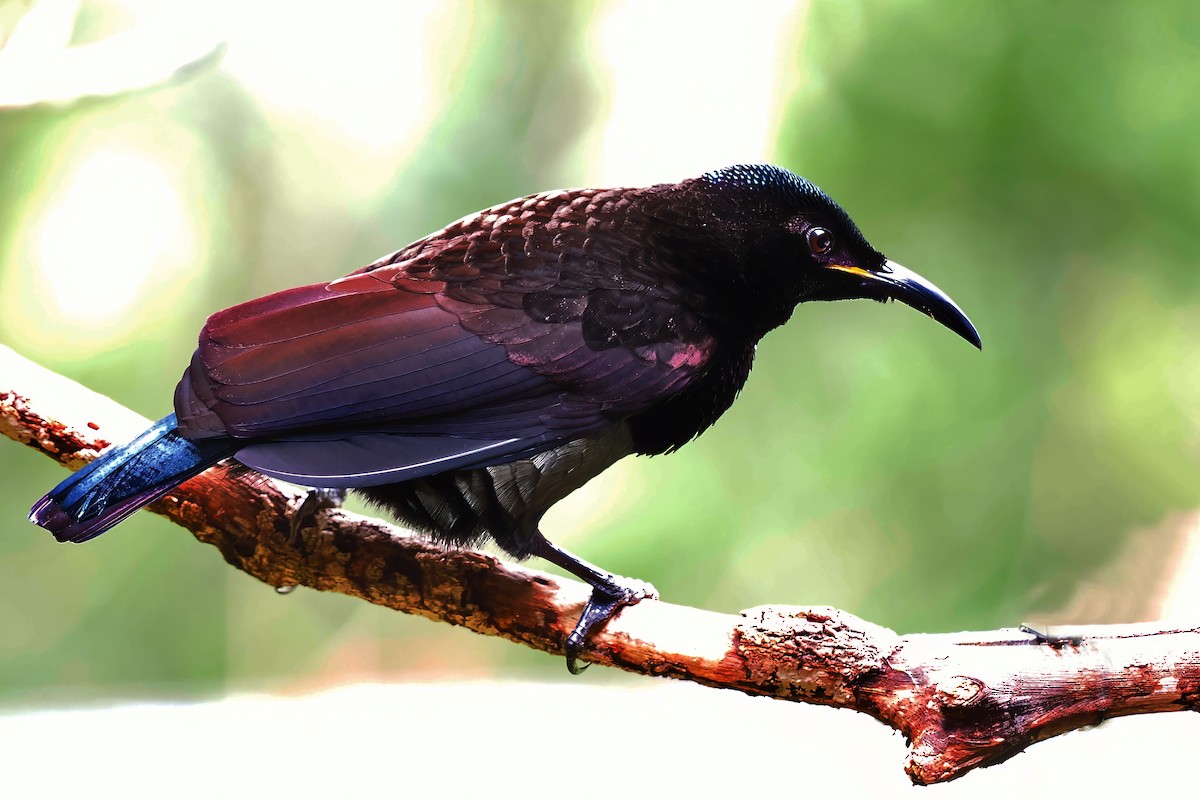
column 610, row 593
column 314, row 502
column 1055, row 640
column 609, row 596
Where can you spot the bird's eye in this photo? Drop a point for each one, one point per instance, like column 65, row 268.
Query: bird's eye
column 820, row 241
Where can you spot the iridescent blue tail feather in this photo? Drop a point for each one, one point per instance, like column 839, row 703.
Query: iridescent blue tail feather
column 122, row 480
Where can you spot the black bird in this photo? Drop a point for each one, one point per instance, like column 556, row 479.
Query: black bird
column 471, row 380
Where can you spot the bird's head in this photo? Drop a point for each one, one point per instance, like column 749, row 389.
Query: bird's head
column 792, row 243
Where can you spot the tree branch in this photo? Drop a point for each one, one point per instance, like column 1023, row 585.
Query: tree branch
column 962, row 700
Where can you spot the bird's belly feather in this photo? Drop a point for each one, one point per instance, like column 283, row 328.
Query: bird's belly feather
column 502, row 502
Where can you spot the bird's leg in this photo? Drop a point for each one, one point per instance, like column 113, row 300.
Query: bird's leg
column 610, row 593
column 314, row 502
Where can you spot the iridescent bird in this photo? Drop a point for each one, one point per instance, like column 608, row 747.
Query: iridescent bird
column 471, row 380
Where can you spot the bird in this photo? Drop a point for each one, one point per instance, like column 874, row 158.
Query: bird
column 469, row 381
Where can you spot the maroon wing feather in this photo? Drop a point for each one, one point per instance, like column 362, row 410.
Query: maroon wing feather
column 498, row 337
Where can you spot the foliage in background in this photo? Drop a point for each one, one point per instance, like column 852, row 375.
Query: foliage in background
column 1038, row 162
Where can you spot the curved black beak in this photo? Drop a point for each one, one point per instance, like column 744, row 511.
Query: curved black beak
column 893, row 281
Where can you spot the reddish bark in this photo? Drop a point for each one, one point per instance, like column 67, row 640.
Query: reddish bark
column 962, row 700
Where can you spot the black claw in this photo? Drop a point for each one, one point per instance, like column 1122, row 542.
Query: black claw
column 607, row 599
column 610, row 593
column 574, row 649
column 601, row 607
column 1054, row 640
column 1025, row 627
column 314, row 502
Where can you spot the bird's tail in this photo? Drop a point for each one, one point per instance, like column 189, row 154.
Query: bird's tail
column 122, row 480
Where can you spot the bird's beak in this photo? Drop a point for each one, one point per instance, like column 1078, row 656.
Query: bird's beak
column 899, row 283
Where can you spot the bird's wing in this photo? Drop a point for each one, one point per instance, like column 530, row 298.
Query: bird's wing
column 382, row 376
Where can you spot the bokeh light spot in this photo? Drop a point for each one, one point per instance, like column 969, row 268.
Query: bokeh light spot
column 111, row 239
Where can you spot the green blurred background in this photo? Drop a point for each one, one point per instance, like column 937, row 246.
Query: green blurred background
column 1038, row 161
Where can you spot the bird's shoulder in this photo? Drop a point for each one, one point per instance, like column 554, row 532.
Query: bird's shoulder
column 587, row 257
column 537, row 240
